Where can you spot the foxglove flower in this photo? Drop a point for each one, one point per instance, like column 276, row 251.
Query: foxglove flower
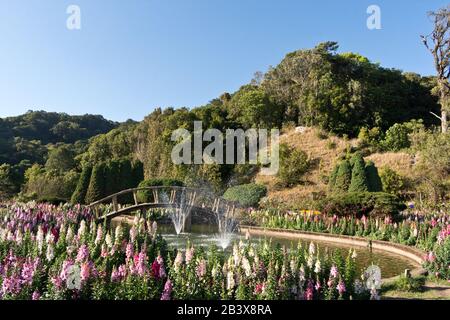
column 167, row 290
column 83, row 253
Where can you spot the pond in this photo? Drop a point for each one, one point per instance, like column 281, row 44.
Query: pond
column 205, row 235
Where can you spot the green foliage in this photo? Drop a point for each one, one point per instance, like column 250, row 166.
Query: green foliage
column 61, row 159
column 359, row 181
column 294, row 164
column 397, row 136
column 373, row 178
column 248, row 195
column 43, row 185
column 252, row 108
column 97, row 183
column 8, row 181
column 343, row 177
column 391, row 180
column 79, row 194
column 362, row 203
column 409, row 284
column 370, row 138
column 344, row 92
column 24, row 137
column 146, row 196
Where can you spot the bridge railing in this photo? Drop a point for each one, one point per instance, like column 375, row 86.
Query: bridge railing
column 202, row 198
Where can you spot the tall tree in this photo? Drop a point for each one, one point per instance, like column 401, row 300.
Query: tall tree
column 438, row 43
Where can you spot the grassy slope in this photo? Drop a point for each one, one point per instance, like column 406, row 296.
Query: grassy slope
column 323, row 158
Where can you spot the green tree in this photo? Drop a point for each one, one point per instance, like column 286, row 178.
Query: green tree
column 343, row 177
column 358, row 181
column 61, row 159
column 96, row 189
column 373, row 178
column 392, row 181
column 79, row 194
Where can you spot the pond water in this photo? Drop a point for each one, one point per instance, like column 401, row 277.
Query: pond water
column 204, row 235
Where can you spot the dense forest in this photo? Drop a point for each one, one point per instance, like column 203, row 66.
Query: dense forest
column 56, row 156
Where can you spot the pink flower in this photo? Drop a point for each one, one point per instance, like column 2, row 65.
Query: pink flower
column 36, row 295
column 309, row 293
column 259, row 288
column 341, row 287
column 334, row 272
column 83, row 253
column 85, row 271
column 167, row 290
column 129, row 251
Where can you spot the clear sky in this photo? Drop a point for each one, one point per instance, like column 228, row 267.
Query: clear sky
column 131, row 56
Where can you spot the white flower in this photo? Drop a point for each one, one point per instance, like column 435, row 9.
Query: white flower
column 50, row 254
column 230, row 280
column 317, row 268
column 312, row 249
column 40, row 239
column 82, row 229
column 310, row 262
column 246, row 266
column 354, row 255
column 108, row 240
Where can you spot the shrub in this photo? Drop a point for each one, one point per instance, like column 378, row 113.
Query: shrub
column 397, row 136
column 362, row 203
column 391, row 180
column 359, row 180
column 248, row 195
column 409, row 284
column 96, row 189
column 294, row 164
column 79, row 194
column 373, row 178
column 146, row 196
column 343, row 177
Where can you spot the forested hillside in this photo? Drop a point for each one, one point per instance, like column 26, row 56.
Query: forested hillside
column 353, row 105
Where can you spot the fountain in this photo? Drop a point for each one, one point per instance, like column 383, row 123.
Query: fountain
column 179, row 212
column 227, row 226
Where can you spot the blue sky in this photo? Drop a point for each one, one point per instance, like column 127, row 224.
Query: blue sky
column 132, row 56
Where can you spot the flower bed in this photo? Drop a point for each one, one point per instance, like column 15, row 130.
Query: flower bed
column 427, row 232
column 49, row 252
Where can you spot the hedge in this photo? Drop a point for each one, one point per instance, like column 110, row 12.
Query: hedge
column 247, row 195
column 362, row 203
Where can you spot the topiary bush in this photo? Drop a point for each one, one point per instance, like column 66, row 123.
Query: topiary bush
column 358, row 204
column 146, row 196
column 79, row 194
column 358, row 182
column 248, row 195
column 343, row 177
column 373, row 178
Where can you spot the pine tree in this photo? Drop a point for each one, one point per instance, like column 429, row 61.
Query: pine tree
column 373, row 178
column 359, row 181
column 332, row 179
column 96, row 189
column 343, row 177
column 79, row 194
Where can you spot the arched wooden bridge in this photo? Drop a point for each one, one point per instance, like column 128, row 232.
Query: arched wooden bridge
column 164, row 197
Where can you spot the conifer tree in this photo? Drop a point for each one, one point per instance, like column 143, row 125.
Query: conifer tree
column 79, row 194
